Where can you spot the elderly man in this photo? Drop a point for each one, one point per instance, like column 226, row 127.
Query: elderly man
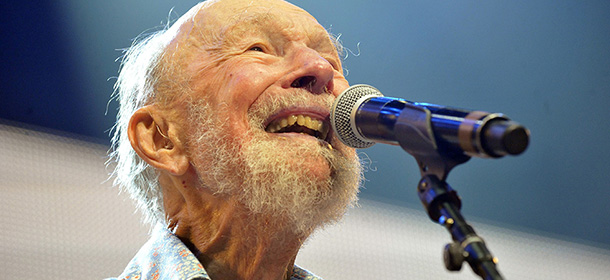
column 223, row 139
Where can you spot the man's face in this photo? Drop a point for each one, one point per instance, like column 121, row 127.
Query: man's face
column 263, row 76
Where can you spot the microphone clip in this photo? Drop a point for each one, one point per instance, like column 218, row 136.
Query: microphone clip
column 416, row 137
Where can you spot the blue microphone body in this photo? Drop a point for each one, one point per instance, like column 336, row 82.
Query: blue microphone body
column 362, row 116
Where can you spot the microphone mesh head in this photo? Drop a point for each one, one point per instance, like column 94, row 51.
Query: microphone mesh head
column 343, row 113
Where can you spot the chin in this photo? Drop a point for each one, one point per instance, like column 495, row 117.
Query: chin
column 298, row 178
column 309, row 156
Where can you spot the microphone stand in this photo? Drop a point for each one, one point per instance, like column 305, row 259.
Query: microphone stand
column 439, row 199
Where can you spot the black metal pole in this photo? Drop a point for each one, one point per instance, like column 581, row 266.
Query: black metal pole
column 443, row 206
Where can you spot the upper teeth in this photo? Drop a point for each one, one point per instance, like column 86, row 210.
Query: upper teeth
column 301, row 120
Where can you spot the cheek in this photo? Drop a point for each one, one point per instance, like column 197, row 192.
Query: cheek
column 241, row 89
column 246, row 85
column 340, row 84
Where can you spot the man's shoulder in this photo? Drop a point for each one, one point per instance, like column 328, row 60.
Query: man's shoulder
column 299, row 273
column 164, row 256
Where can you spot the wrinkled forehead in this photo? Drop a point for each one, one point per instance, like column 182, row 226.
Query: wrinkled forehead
column 232, row 11
column 214, row 22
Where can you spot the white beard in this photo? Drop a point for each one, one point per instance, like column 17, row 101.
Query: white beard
column 272, row 176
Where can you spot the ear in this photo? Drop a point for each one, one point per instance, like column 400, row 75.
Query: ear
column 156, row 142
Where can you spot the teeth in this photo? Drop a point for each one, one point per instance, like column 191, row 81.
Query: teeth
column 301, row 120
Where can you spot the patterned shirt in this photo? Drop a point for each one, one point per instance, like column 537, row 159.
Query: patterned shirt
column 165, row 257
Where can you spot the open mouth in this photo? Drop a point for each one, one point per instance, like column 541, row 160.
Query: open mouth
column 304, row 124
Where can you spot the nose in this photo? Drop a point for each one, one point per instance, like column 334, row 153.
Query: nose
column 311, row 72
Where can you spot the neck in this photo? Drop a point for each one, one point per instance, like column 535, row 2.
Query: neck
column 232, row 243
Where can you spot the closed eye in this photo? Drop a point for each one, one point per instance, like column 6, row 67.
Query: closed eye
column 333, row 62
column 256, row 49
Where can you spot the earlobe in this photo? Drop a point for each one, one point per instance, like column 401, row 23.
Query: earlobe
column 151, row 139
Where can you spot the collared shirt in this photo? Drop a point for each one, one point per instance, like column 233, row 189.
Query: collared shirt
column 165, row 257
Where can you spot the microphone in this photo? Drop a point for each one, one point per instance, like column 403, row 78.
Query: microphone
column 362, row 116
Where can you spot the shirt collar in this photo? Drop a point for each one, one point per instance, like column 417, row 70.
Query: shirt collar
column 164, row 256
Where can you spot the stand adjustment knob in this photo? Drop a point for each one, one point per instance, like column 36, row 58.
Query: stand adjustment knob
column 453, row 256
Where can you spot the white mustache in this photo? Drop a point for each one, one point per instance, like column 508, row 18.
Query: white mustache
column 267, row 104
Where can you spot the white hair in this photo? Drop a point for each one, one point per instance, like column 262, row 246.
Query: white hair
column 137, row 86
column 134, row 89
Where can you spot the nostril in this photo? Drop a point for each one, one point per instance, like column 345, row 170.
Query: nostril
column 305, row 81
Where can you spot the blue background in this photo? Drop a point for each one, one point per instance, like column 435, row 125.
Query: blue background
column 544, row 63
